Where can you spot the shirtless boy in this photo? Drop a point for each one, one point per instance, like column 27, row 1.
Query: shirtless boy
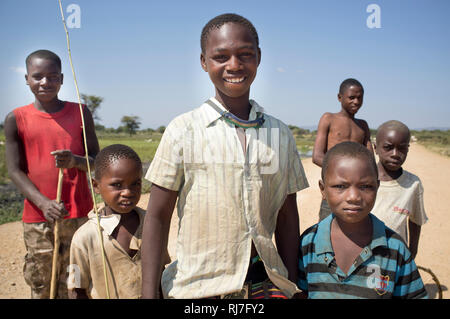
column 342, row 126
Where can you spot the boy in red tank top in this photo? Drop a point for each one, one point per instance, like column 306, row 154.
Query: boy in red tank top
column 41, row 138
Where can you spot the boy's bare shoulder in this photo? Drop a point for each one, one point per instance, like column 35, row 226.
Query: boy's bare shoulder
column 328, row 115
column 332, row 119
column 10, row 127
column 326, row 119
column 362, row 123
column 10, row 118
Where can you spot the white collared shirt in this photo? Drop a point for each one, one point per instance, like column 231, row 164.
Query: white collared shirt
column 227, row 199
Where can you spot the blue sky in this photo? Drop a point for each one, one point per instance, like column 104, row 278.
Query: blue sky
column 142, row 57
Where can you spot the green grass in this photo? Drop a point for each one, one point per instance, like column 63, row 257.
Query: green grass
column 305, row 143
column 11, row 205
column 437, row 141
column 144, row 144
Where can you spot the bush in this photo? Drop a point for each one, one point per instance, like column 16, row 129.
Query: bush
column 11, row 204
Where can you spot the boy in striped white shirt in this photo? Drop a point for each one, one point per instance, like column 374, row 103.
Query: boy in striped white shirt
column 235, row 171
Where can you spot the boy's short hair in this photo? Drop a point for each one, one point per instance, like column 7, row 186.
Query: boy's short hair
column 220, row 20
column 348, row 149
column 43, row 54
column 393, row 125
column 112, row 153
column 348, row 83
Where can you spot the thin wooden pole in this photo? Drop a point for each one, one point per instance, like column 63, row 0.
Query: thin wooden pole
column 55, row 261
column 100, row 236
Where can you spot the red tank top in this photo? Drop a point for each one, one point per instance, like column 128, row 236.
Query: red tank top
column 42, row 133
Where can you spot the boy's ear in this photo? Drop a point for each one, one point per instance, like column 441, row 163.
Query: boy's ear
column 203, row 62
column 339, row 96
column 26, row 79
column 259, row 56
column 62, row 78
column 95, row 185
column 322, row 189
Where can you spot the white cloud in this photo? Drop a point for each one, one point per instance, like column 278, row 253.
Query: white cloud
column 281, row 70
column 18, row 69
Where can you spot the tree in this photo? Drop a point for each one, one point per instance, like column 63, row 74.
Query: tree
column 131, row 124
column 93, row 104
column 297, row 130
column 161, row 129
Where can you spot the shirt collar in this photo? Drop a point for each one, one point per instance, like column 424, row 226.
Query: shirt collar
column 213, row 110
column 110, row 222
column 323, row 242
column 107, row 222
column 379, row 233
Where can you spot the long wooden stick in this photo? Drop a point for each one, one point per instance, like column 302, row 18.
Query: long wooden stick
column 100, row 235
column 55, row 266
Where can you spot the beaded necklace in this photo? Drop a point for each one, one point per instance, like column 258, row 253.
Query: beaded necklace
column 234, row 120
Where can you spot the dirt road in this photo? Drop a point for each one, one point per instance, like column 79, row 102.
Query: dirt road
column 434, row 248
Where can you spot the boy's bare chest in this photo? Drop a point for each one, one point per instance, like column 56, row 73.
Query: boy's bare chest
column 345, row 130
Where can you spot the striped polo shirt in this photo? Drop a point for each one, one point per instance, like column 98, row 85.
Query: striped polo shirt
column 384, row 269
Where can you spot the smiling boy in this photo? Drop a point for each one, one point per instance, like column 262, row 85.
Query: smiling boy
column 235, row 171
column 351, row 253
column 40, row 138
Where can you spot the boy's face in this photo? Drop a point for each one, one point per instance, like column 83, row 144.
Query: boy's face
column 352, row 99
column 392, row 147
column 44, row 78
column 350, row 188
column 231, row 58
column 120, row 185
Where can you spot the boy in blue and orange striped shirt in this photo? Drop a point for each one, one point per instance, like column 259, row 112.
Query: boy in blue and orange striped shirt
column 351, row 253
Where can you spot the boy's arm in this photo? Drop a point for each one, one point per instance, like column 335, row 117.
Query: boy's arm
column 155, row 233
column 321, row 143
column 367, row 142
column 414, row 235
column 66, row 159
column 15, row 163
column 287, row 234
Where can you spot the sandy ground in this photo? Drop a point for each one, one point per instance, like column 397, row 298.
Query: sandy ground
column 434, row 248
